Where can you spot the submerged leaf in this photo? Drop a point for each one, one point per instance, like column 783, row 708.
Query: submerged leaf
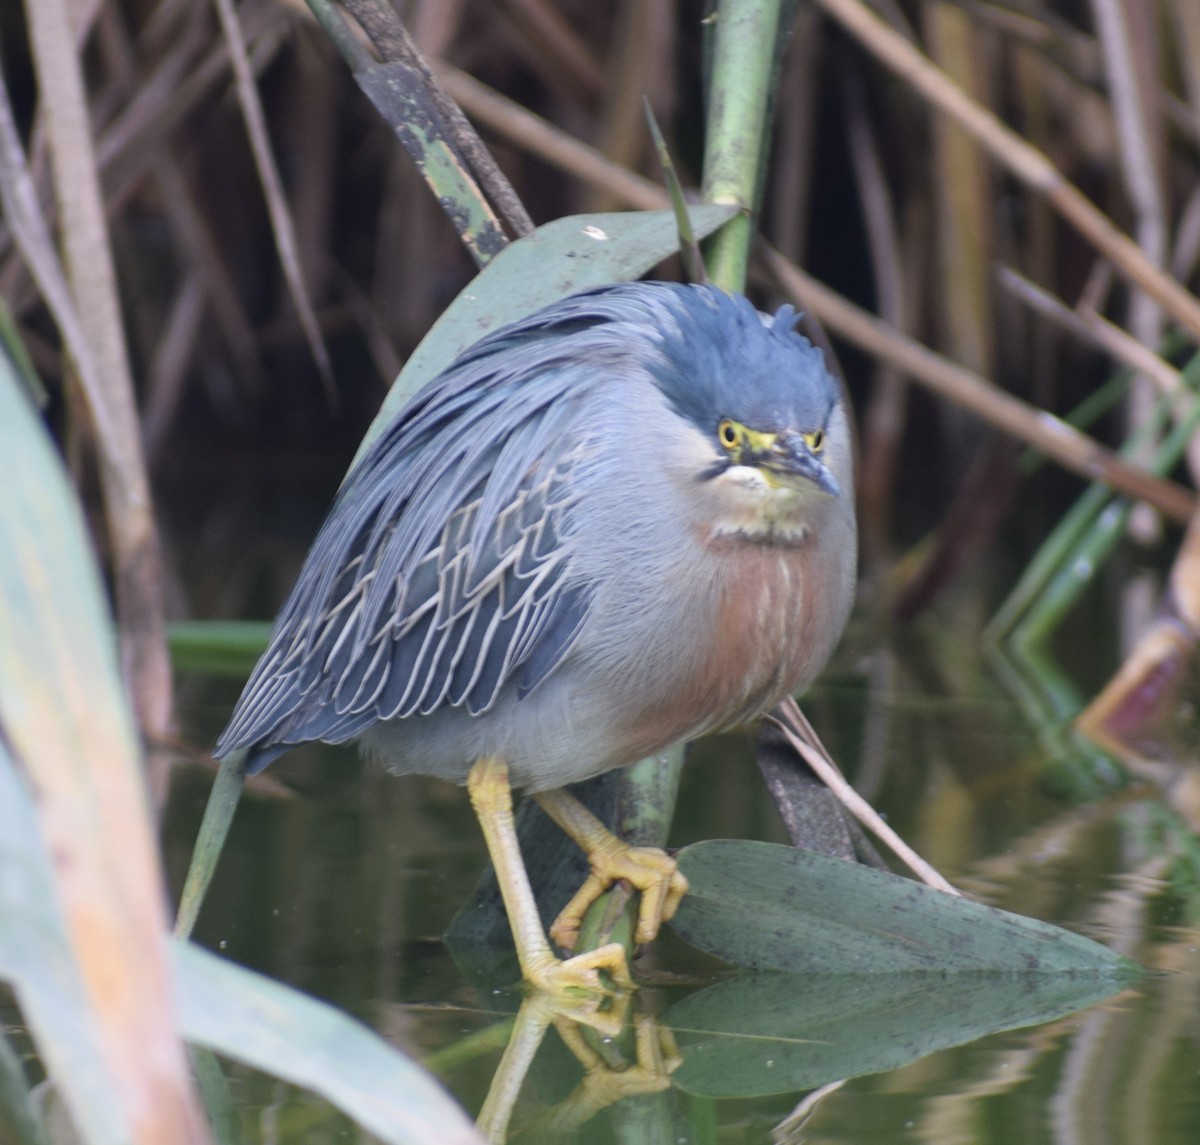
column 771, row 907
column 768, row 1032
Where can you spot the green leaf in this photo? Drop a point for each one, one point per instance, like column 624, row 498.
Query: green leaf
column 770, row 907
column 765, row 1033
column 19, row 1120
column 272, row 1027
column 217, row 1096
column 35, row 959
column 559, row 258
column 62, row 708
column 210, row 840
column 230, row 1010
column 220, row 647
column 689, row 247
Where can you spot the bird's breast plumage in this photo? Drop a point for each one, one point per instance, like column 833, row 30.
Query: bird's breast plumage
column 761, row 619
column 742, row 601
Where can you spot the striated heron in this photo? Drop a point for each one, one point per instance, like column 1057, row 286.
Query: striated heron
column 622, row 522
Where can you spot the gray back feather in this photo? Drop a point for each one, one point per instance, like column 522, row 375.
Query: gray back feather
column 444, row 569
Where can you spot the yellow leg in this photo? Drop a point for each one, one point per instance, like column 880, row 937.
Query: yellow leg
column 538, row 1011
column 491, row 797
column 651, row 871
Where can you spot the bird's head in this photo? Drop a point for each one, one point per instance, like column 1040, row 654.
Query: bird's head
column 776, row 434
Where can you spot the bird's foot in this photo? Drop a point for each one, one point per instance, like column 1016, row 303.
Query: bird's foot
column 564, row 976
column 657, row 1058
column 576, row 991
column 649, row 870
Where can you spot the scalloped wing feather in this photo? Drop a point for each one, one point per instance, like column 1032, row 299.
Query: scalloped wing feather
column 444, row 565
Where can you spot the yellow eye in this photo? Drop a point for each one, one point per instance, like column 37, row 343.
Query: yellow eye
column 815, row 440
column 727, row 432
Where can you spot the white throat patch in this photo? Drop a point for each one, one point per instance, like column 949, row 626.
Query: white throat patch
column 750, row 505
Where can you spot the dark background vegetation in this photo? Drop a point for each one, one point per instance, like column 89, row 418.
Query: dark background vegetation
column 237, row 382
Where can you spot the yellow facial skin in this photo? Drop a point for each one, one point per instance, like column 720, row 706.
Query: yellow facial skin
column 766, row 452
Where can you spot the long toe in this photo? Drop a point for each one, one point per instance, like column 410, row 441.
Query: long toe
column 651, row 871
column 576, row 982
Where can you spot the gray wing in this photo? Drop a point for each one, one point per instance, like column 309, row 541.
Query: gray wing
column 444, row 568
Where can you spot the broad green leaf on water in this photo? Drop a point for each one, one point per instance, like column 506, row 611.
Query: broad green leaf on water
column 559, row 258
column 768, row 1032
column 35, row 959
column 771, row 907
column 272, row 1027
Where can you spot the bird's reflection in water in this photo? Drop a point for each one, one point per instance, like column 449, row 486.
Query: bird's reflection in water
column 623, row 1053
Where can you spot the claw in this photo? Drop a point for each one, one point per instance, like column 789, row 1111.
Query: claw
column 562, row 976
column 650, row 871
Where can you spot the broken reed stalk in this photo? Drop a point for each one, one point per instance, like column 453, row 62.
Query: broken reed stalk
column 802, row 736
column 283, row 227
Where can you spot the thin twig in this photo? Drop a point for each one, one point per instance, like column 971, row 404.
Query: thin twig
column 282, row 226
column 689, row 248
column 527, row 130
column 639, row 72
column 804, row 739
column 92, row 806
column 886, row 410
column 1045, row 432
column 196, row 240
column 1019, row 156
column 172, row 357
column 788, row 1130
column 1139, row 158
column 1091, row 327
column 553, row 40
column 131, row 142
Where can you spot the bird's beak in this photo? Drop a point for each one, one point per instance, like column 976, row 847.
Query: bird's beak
column 790, row 455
